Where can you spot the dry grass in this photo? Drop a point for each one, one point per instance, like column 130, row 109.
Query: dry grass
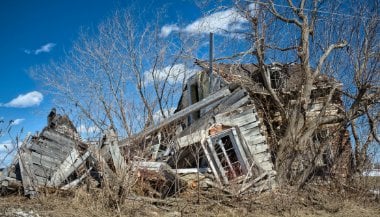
column 316, row 201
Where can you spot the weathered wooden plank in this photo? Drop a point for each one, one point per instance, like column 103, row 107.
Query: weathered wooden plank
column 67, row 167
column 41, row 171
column 193, row 108
column 48, row 152
column 261, row 157
column 255, row 139
column 266, row 165
column 243, row 101
column 74, row 183
column 97, row 157
column 45, row 160
column 250, row 126
column 28, row 178
column 191, row 170
column 218, row 165
column 117, row 158
column 259, row 148
column 211, row 162
column 58, row 138
column 191, row 138
column 251, row 132
column 236, row 121
column 42, row 181
column 47, row 143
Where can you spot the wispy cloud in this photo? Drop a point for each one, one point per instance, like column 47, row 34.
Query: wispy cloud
column 30, row 99
column 166, row 30
column 172, row 74
column 17, row 121
column 220, row 22
column 46, row 48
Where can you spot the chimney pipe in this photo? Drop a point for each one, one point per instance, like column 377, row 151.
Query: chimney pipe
column 211, row 51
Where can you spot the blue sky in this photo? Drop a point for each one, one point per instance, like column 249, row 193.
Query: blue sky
column 31, row 33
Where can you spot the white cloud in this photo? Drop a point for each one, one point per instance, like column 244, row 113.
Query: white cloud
column 173, row 74
column 166, row 30
column 30, row 99
column 46, row 48
column 229, row 20
column 87, row 129
column 218, row 22
column 17, row 121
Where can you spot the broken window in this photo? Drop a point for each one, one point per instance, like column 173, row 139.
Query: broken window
column 226, row 155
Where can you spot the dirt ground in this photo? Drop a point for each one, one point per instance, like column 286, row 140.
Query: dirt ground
column 279, row 202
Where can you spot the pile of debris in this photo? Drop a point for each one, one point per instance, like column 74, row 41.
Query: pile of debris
column 217, row 138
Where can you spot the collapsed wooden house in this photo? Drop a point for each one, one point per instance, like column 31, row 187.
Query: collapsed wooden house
column 219, row 132
column 222, row 125
column 57, row 158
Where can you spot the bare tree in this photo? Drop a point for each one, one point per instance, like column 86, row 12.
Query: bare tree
column 313, row 35
column 121, row 75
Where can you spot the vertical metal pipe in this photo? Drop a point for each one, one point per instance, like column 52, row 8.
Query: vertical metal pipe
column 210, row 74
column 211, row 51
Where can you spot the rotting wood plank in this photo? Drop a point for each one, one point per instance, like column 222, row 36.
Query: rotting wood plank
column 241, row 111
column 245, row 127
column 252, row 183
column 47, row 152
column 243, row 101
column 74, row 183
column 211, row 161
column 59, row 138
column 62, row 173
column 45, row 160
column 41, row 171
column 214, row 155
column 42, row 181
column 193, row 108
column 117, row 158
column 262, row 157
column 45, row 145
column 246, row 119
column 72, row 162
column 48, row 143
column 27, row 175
column 261, row 147
column 105, row 152
column 102, row 163
column 255, row 139
column 191, row 138
column 251, row 132
column 266, row 165
column 191, row 170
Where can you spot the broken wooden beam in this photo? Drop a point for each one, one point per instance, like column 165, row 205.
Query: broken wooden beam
column 72, row 162
column 193, row 108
